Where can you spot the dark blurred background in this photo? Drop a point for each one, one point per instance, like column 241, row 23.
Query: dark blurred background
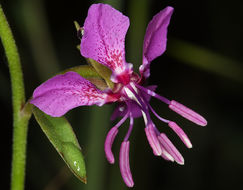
column 202, row 68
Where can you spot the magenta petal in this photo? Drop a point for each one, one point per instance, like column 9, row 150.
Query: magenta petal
column 105, row 29
column 63, row 92
column 155, row 38
column 125, row 165
column 187, row 113
column 108, row 144
column 170, row 148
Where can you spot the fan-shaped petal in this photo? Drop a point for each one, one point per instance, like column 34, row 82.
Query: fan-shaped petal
column 104, row 37
column 63, row 92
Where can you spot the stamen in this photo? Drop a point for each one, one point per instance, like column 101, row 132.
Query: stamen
column 152, row 93
column 122, row 120
column 125, row 165
column 170, row 148
column 133, row 94
column 153, row 140
column 108, row 144
column 110, row 139
column 145, row 118
column 187, row 113
column 141, row 103
column 180, row 133
column 167, row 156
column 130, row 128
column 160, row 118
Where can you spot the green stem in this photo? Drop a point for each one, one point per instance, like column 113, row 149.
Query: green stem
column 96, row 163
column 21, row 113
column 138, row 14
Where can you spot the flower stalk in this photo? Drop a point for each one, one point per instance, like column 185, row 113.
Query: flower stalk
column 21, row 112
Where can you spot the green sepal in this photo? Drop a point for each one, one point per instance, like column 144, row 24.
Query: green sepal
column 85, row 71
column 103, row 71
column 89, row 73
column 61, row 135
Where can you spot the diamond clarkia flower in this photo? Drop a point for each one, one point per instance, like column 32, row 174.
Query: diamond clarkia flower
column 103, row 40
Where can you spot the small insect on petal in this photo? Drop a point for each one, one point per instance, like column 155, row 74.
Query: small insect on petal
column 170, row 148
column 124, row 164
column 187, row 113
column 108, row 144
column 153, row 140
column 180, row 133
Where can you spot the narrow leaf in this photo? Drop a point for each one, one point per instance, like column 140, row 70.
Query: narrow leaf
column 61, row 135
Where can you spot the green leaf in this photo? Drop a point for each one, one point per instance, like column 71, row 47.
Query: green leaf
column 61, row 135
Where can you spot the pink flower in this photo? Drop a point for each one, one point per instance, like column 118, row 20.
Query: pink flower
column 103, row 41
